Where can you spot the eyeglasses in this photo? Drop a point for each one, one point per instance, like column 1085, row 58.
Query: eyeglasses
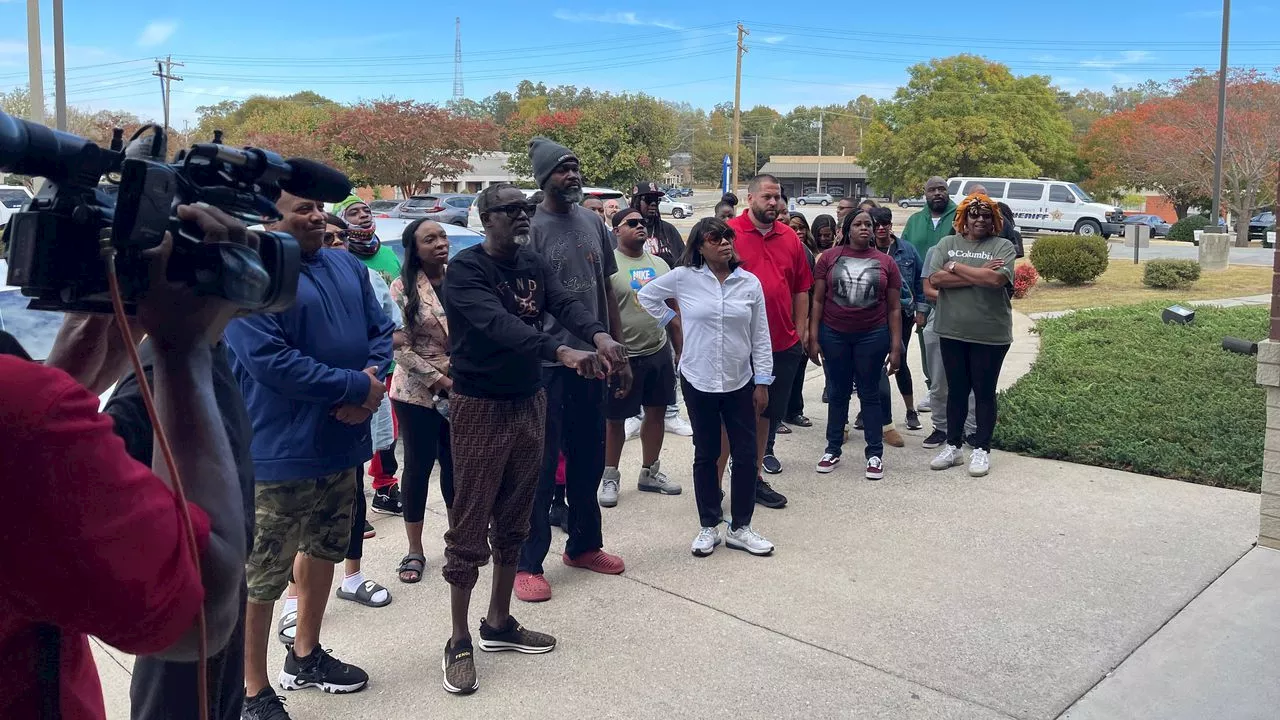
column 714, row 240
column 332, row 237
column 513, row 210
column 633, row 223
column 980, row 213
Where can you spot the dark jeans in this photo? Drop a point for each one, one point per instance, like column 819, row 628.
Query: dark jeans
column 971, row 367
column 359, row 514
column 854, row 359
column 426, row 441
column 575, row 426
column 787, row 365
column 707, row 412
column 796, row 405
column 160, row 690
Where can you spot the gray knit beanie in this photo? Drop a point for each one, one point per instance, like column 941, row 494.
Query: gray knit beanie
column 545, row 154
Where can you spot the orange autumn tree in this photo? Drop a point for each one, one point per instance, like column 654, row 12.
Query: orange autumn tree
column 1134, row 149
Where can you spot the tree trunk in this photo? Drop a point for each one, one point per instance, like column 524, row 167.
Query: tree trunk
column 1180, row 209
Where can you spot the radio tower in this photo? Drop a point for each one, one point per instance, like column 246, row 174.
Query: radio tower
column 457, row 58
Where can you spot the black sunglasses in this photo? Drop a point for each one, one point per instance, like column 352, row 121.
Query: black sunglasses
column 513, row 210
column 633, row 222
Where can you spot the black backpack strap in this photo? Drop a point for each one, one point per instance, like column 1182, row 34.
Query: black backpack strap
column 48, row 671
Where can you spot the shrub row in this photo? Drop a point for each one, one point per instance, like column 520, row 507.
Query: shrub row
column 1171, row 274
column 1072, row 259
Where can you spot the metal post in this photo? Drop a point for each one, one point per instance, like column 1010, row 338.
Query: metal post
column 821, row 117
column 59, row 69
column 36, row 71
column 737, row 107
column 1222, row 117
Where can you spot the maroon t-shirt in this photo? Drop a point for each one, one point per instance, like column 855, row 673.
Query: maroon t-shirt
column 859, row 283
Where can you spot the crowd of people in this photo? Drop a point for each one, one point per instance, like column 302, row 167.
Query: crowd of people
column 514, row 373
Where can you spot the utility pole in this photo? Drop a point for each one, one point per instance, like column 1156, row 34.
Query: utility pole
column 1222, row 117
column 59, row 70
column 164, row 71
column 457, row 59
column 821, row 118
column 737, row 105
column 36, row 72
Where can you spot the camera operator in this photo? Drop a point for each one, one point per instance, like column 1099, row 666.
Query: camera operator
column 100, row 544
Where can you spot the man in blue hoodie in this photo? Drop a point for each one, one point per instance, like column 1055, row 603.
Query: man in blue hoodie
column 311, row 377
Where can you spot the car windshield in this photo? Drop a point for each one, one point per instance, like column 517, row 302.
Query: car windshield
column 34, row 329
column 13, row 198
column 1086, row 197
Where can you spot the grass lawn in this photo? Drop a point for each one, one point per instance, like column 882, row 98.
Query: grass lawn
column 1118, row 388
column 1122, row 284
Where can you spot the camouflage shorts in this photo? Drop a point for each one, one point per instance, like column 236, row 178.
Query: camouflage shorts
column 310, row 516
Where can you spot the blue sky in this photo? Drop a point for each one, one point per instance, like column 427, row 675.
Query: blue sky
column 800, row 53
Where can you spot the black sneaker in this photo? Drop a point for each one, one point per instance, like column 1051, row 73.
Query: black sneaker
column 322, row 670
column 857, row 422
column 772, row 464
column 970, row 441
column 935, row 440
column 514, row 637
column 387, row 500
column 559, row 515
column 459, row 666
column 767, row 496
column 266, row 705
column 913, row 420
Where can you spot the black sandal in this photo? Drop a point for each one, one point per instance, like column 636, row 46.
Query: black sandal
column 800, row 421
column 407, row 566
column 364, row 594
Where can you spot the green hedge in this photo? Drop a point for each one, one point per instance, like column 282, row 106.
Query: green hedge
column 1170, row 273
column 1072, row 259
column 1185, row 229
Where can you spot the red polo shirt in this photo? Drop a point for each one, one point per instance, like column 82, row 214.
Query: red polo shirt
column 778, row 260
column 93, row 545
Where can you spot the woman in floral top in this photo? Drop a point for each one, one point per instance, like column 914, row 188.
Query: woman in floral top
column 421, row 382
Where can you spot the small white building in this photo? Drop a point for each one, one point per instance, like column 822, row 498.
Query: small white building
column 485, row 170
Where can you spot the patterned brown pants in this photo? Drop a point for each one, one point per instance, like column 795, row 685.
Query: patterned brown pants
column 497, row 456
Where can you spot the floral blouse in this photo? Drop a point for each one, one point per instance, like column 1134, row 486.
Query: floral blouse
column 425, row 358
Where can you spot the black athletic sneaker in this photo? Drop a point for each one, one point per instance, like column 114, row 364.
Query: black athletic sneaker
column 767, row 496
column 970, row 441
column 857, row 421
column 266, row 705
column 913, row 420
column 559, row 515
column 772, row 464
column 387, row 500
column 459, row 666
column 322, row 670
column 935, row 440
column 514, row 637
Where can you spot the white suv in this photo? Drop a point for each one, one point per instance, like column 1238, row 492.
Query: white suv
column 12, row 198
column 1046, row 204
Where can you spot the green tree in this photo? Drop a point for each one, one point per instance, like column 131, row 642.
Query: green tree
column 965, row 115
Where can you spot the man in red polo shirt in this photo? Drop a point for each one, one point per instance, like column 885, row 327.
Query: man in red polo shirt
column 98, row 546
column 772, row 252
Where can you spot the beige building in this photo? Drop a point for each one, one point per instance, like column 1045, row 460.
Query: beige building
column 485, row 170
column 798, row 174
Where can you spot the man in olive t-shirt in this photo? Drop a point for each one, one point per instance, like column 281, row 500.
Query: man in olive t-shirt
column 653, row 369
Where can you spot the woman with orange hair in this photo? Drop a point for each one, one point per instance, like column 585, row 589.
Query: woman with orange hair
column 971, row 270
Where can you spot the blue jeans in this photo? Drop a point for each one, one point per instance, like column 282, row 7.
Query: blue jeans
column 854, row 359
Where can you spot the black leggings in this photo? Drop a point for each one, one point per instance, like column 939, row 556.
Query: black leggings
column 904, row 370
column 971, row 367
column 355, row 546
column 426, row 441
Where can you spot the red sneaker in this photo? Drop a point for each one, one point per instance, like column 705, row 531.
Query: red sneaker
column 596, row 561
column 532, row 588
column 875, row 468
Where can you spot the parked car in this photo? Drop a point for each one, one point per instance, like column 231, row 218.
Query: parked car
column 676, row 208
column 447, row 208
column 381, row 206
column 1046, row 204
column 912, row 202
column 815, row 199
column 1261, row 224
column 1159, row 228
column 12, row 198
column 679, row 192
column 460, row 238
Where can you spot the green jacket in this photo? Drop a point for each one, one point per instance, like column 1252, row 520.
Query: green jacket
column 921, row 233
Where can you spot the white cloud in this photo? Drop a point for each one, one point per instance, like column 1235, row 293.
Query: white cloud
column 1128, row 57
column 613, row 18
column 773, row 39
column 156, row 32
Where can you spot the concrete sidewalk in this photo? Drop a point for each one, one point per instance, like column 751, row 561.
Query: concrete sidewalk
column 925, row 595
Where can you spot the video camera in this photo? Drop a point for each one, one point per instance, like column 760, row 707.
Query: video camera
column 56, row 243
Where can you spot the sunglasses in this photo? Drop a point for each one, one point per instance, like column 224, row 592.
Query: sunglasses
column 633, row 222
column 724, row 240
column 332, row 237
column 513, row 210
column 976, row 213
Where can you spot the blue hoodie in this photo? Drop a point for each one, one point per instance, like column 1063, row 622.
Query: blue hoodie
column 296, row 366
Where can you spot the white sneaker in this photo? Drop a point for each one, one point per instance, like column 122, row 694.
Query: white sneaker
column 706, row 542
column 827, row 463
column 678, row 426
column 949, row 457
column 632, row 427
column 744, row 538
column 654, row 480
column 925, row 405
column 607, row 495
column 875, row 468
column 979, row 462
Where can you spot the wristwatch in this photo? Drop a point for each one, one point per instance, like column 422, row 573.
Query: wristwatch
column 950, row 266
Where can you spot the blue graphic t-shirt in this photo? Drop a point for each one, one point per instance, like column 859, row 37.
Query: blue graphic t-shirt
column 641, row 333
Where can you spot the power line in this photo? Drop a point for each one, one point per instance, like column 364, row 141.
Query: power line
column 164, row 71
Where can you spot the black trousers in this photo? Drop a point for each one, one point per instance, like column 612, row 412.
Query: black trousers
column 905, row 386
column 161, row 690
column 707, row 413
column 971, row 367
column 796, row 405
column 359, row 514
column 426, row 441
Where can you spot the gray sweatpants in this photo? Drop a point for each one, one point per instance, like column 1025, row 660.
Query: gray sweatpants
column 938, row 383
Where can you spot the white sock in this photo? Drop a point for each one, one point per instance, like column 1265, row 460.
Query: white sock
column 351, row 583
column 291, row 604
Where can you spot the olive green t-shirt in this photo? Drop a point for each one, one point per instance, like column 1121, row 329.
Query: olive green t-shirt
column 974, row 314
column 641, row 333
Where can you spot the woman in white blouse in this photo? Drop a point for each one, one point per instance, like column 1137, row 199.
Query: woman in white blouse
column 725, row 369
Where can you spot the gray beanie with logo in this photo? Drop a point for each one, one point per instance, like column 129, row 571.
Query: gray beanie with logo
column 545, row 154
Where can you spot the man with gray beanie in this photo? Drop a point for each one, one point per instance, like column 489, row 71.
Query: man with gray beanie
column 575, row 243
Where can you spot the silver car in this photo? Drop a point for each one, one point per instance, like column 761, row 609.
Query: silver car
column 448, row 208
column 815, row 199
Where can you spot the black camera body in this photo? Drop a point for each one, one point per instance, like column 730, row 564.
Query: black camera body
column 56, row 244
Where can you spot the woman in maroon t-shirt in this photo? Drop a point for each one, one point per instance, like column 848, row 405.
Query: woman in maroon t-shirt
column 855, row 324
